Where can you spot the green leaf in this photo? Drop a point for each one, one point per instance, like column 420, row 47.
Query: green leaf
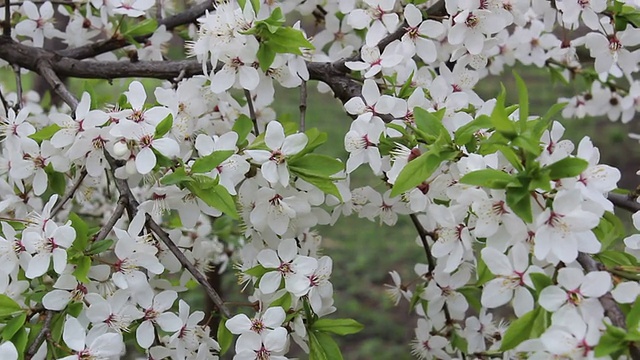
column 612, row 258
column 323, row 347
column 540, row 281
column 75, row 308
column 57, row 180
column 566, row 168
column 610, row 342
column 465, row 133
column 82, row 231
column 321, row 182
column 178, row 176
column 242, row 127
column 8, row 306
column 216, row 196
column 519, row 200
column 266, row 55
column 283, row 301
column 82, row 269
column 20, row 340
column 99, row 247
column 500, row 119
column 459, row 342
column 163, row 127
column 490, row 178
column 415, row 172
column 289, row 40
column 609, row 230
column 211, row 161
column 337, row 326
column 530, row 325
column 144, row 27
column 257, row 271
column 523, row 98
column 316, row 165
column 13, row 326
column 315, row 139
column 430, row 123
column 484, row 274
column 633, row 317
column 225, row 337
column 45, row 133
column 473, row 295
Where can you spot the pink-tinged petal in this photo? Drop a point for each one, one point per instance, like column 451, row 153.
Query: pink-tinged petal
column 269, row 259
column 8, row 351
column 56, row 300
column 287, row 250
column 248, row 77
column 270, row 171
column 497, row 262
column 522, row 301
column 107, row 345
column 274, row 316
column 274, row 136
column 74, row 334
column 40, row 182
column 38, row 265
column 495, row 294
column 270, row 282
column 596, row 284
column 293, row 144
column 59, row 260
column 164, row 300
column 570, row 278
column 223, row 80
column 276, row 339
column 370, row 92
column 169, row 322
column 167, row 147
column 136, row 95
column 46, row 10
column 239, row 324
column 145, row 334
column 412, row 15
column 552, row 298
column 355, row 106
column 145, row 161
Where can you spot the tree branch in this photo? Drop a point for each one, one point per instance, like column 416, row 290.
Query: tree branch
column 431, row 262
column 42, row 335
column 626, row 202
column 69, row 195
column 132, row 208
column 117, row 214
column 6, row 23
column 43, row 67
column 116, row 42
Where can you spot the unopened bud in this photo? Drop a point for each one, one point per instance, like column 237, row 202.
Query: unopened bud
column 120, row 149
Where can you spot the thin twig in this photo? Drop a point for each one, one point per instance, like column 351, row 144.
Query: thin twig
column 45, row 70
column 303, row 105
column 158, row 10
column 132, row 208
column 252, row 111
column 42, row 335
column 624, row 201
column 213, row 295
column 18, row 105
column 5, row 104
column 6, row 24
column 69, row 194
column 431, row 262
column 117, row 214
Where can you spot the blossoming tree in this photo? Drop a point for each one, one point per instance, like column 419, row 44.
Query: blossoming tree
column 108, row 201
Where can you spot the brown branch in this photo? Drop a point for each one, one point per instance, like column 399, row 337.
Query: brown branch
column 116, row 42
column 69, row 195
column 18, row 105
column 6, row 23
column 611, row 308
column 431, row 262
column 626, row 202
column 42, row 335
column 252, row 111
column 43, row 67
column 132, row 208
column 117, row 214
column 303, row 105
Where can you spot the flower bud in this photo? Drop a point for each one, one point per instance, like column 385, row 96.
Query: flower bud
column 120, row 149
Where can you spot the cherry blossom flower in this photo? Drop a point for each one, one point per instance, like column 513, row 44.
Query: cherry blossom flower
column 577, row 291
column 104, row 346
column 49, row 244
column 39, row 23
column 287, row 264
column 155, row 313
column 262, row 347
column 274, row 162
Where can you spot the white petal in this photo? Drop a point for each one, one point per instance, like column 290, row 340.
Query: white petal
column 293, row 144
column 56, row 300
column 274, row 136
column 145, row 161
column 169, row 322
column 145, row 334
column 495, row 294
column 74, row 334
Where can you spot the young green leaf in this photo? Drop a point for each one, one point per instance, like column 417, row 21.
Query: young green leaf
column 317, row 165
column 490, row 178
column 8, row 306
column 337, row 326
column 163, row 127
column 567, row 167
column 242, row 127
column 523, row 97
column 415, row 172
column 225, row 337
column 207, row 163
column 144, row 27
column 528, row 326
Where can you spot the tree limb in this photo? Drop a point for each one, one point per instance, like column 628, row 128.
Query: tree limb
column 43, row 67
column 188, row 16
column 42, row 335
column 117, row 214
column 69, row 194
column 626, row 202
